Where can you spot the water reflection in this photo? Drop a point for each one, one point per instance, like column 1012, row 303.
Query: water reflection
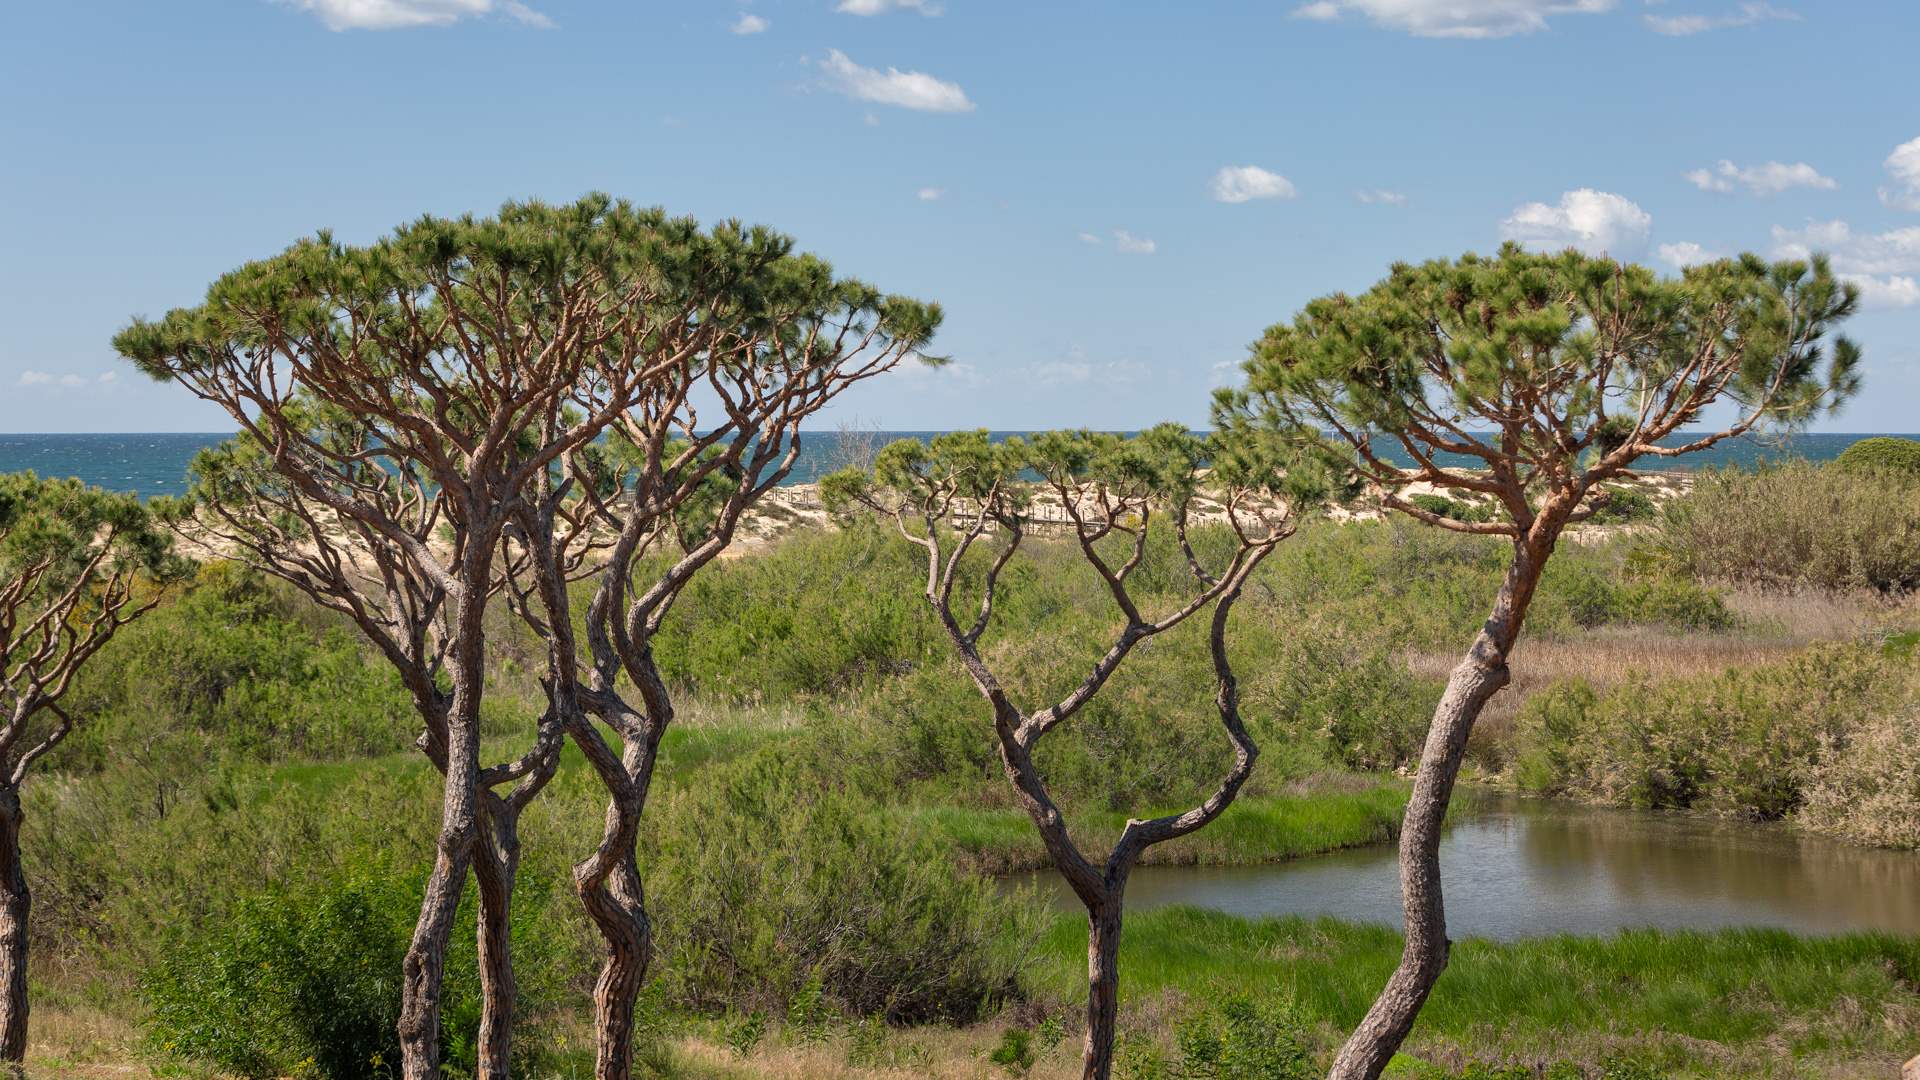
column 1530, row 867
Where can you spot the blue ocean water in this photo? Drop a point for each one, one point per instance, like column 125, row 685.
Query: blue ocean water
column 156, row 463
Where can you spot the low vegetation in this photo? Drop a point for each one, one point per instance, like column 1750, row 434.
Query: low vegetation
column 825, row 826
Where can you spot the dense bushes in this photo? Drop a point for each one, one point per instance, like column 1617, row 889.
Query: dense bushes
column 772, row 878
column 1797, row 525
column 1235, row 1036
column 236, row 668
column 307, row 980
column 1865, row 786
column 1756, row 742
column 1883, row 453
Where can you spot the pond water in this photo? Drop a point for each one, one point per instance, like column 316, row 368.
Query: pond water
column 1527, row 867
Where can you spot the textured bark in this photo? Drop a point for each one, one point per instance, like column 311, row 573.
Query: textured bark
column 423, row 970
column 617, row 907
column 610, row 890
column 15, row 903
column 494, row 872
column 1424, row 956
column 1103, row 987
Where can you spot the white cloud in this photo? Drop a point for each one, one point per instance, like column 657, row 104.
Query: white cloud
column 1455, row 18
column 1745, row 15
column 1089, row 238
column 1896, row 291
column 1771, row 178
column 1244, row 183
column 1904, row 166
column 404, row 14
column 930, row 194
column 1684, row 254
column 1894, row 252
column 906, row 89
column 106, row 380
column 1381, row 196
column 1077, row 369
column 881, row 7
column 1596, row 222
column 1129, row 244
column 749, row 23
column 1884, row 265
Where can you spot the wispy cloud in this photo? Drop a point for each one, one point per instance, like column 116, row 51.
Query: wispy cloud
column 1744, row 15
column 881, row 7
column 406, row 14
column 1454, row 18
column 905, row 89
column 930, row 194
column 1245, row 183
column 749, row 23
column 1772, row 178
column 70, row 381
column 1684, row 253
column 1597, row 222
column 1077, row 369
column 1381, row 197
column 1129, row 244
column 1886, row 266
column 1903, row 165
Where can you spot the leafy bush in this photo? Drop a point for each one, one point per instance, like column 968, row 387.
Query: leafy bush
column 1444, row 507
column 237, row 668
column 1796, row 525
column 1626, row 505
column 308, row 980
column 771, row 882
column 1866, row 785
column 1237, row 1037
column 1882, row 453
column 1743, row 742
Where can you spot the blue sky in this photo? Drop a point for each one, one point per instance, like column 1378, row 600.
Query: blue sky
column 1111, row 199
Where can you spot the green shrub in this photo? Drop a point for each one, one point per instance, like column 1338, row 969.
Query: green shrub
column 1015, row 1052
column 299, row 981
column 1625, row 505
column 1882, row 453
column 1450, row 508
column 1742, row 742
column 1865, row 787
column 1795, row 525
column 775, row 886
column 239, row 669
column 1235, row 1037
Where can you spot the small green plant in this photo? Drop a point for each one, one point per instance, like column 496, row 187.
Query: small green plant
column 807, row 1010
column 867, row 1043
column 1015, row 1053
column 743, row 1031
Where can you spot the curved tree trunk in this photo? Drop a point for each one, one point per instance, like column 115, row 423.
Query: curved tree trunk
column 493, row 870
column 15, row 903
column 1481, row 675
column 425, row 966
column 618, row 908
column 1103, row 987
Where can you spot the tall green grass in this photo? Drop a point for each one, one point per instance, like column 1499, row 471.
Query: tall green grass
column 1718, row 1003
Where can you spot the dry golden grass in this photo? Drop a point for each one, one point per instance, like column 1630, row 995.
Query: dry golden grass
column 83, row 1042
column 1774, row 625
